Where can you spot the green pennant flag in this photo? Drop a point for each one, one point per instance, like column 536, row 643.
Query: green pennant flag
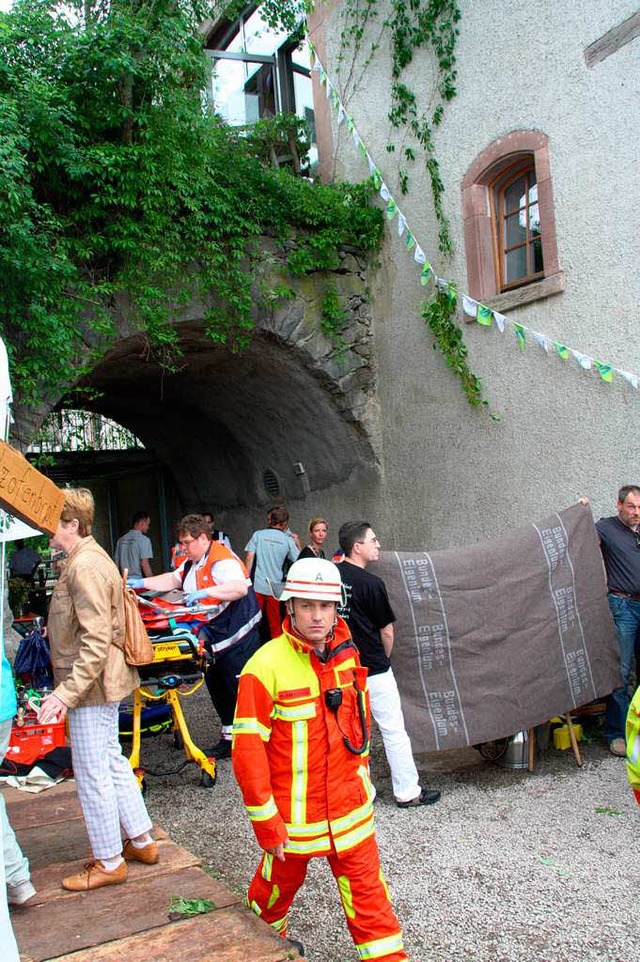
column 392, row 208
column 376, row 176
column 605, row 371
column 520, row 335
column 350, row 124
column 484, row 315
column 322, row 73
column 363, row 150
column 452, row 296
column 425, row 273
column 335, row 100
column 409, row 240
column 561, row 350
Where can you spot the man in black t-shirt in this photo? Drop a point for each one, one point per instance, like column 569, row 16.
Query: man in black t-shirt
column 620, row 545
column 370, row 617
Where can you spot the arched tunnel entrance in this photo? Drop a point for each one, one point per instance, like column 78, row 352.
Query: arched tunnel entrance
column 288, row 418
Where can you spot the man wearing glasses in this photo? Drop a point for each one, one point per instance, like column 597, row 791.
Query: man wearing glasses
column 213, row 577
column 370, row 618
column 620, row 546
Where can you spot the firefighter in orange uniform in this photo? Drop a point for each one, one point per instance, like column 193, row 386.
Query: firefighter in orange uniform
column 300, row 755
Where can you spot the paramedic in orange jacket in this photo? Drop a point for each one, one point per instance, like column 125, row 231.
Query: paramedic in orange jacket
column 213, row 576
column 300, row 755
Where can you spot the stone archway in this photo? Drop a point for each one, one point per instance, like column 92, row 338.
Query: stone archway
column 289, row 404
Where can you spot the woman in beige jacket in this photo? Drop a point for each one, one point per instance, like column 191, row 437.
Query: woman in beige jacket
column 85, row 625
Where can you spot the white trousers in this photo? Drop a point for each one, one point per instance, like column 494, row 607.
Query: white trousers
column 107, row 788
column 387, row 712
column 16, row 866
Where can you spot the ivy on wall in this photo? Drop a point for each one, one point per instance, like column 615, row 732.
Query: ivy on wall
column 413, row 26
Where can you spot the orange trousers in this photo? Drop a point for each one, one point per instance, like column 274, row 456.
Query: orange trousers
column 272, row 613
column 363, row 891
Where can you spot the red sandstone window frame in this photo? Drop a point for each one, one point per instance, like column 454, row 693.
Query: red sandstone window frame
column 514, row 151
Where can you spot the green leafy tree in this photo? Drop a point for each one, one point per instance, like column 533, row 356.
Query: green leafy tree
column 121, row 192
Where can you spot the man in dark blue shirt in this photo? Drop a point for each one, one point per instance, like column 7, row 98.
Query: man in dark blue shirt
column 620, row 546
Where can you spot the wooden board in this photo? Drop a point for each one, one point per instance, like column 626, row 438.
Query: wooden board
column 43, row 809
column 227, row 935
column 27, row 494
column 84, row 919
column 173, row 858
column 62, row 842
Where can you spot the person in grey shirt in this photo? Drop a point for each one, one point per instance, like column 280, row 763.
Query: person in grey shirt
column 134, row 550
column 270, row 548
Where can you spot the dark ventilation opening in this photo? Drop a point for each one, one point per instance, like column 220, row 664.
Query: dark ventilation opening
column 271, row 482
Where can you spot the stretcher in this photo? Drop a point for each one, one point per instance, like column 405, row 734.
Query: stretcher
column 176, row 672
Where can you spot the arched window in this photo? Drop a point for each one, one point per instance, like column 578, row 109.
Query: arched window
column 509, row 224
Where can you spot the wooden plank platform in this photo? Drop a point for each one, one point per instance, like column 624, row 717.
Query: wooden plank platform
column 130, row 921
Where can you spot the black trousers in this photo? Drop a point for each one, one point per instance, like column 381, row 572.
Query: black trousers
column 222, row 676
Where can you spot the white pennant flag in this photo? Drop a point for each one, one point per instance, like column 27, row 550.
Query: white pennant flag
column 500, row 320
column 583, row 360
column 631, row 378
column 419, row 255
column 402, row 223
column 384, row 192
column 341, row 115
column 469, row 306
column 541, row 340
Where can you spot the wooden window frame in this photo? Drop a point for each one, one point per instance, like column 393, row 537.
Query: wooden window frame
column 513, row 150
column 521, row 168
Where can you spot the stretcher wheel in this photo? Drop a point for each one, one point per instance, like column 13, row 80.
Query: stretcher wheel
column 142, row 782
column 207, row 781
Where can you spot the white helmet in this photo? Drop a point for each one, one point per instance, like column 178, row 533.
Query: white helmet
column 314, row 579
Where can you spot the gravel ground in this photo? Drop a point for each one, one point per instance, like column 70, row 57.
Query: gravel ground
column 507, row 867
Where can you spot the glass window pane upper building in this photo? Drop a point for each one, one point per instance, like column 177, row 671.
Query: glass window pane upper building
column 259, row 71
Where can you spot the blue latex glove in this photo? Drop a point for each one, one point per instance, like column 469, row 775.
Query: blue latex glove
column 135, row 583
column 195, row 596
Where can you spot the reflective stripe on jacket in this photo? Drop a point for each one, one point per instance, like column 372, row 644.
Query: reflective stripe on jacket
column 633, row 745
column 298, row 778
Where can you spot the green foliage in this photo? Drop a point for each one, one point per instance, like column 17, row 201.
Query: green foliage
column 439, row 315
column 280, row 141
column 333, row 320
column 119, row 188
column 190, row 907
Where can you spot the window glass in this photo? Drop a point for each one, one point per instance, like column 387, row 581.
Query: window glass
column 515, row 195
column 261, row 38
column 242, row 92
column 518, row 222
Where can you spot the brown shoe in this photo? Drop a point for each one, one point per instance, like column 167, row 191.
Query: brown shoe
column 148, row 854
column 94, row 876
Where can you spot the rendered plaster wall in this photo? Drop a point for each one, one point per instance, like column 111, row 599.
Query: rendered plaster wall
column 451, row 474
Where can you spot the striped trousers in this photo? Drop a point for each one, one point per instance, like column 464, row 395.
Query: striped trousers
column 107, row 788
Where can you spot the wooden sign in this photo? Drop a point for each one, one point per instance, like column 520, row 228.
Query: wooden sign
column 26, row 493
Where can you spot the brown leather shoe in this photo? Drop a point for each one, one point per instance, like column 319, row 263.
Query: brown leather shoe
column 148, row 854
column 94, row 876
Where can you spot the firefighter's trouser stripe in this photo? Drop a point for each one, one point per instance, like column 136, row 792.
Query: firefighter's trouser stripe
column 363, row 893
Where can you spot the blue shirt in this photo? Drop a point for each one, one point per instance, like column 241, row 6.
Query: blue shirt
column 271, row 548
column 620, row 547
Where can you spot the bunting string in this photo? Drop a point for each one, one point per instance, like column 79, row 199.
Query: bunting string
column 485, row 316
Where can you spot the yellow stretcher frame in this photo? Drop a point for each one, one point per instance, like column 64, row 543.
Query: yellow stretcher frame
column 167, row 650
